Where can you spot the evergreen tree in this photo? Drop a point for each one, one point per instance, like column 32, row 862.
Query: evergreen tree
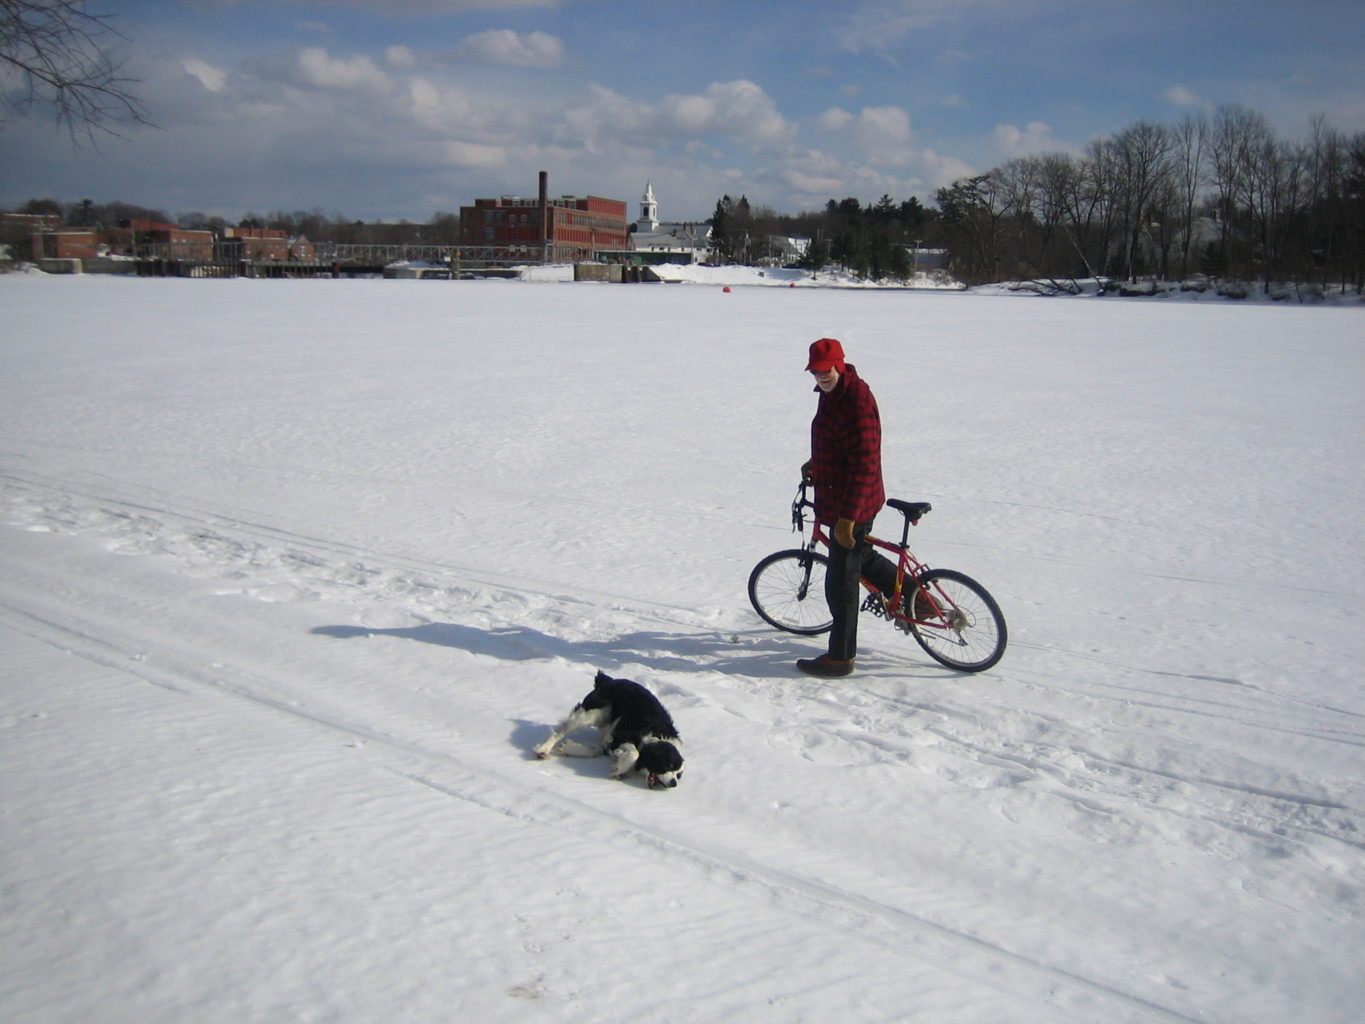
column 721, row 251
column 732, row 231
column 1213, row 261
column 816, row 254
column 900, row 268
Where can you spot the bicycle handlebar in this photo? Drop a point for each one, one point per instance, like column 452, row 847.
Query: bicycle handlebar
column 913, row 511
column 798, row 509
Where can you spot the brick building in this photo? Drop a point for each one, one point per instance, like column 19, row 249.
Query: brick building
column 69, row 244
column 171, row 241
column 257, row 243
column 564, row 228
column 17, row 231
column 131, row 237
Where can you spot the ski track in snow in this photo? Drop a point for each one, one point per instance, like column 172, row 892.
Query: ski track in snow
column 310, row 569
column 274, row 565
column 306, row 569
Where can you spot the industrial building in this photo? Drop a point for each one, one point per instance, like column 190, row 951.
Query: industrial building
column 560, row 229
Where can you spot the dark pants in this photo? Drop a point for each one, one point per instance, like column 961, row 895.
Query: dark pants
column 844, row 594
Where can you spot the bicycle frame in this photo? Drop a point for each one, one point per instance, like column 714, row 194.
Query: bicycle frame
column 907, row 566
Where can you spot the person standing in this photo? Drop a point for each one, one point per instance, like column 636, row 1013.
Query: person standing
column 846, row 468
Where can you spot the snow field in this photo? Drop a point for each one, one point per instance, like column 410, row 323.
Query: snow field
column 297, row 573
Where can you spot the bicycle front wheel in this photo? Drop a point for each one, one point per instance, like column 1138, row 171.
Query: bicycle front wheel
column 958, row 624
column 788, row 590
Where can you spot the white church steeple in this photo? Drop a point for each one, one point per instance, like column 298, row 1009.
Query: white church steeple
column 649, row 210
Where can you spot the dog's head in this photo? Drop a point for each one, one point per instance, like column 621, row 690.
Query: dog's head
column 662, row 763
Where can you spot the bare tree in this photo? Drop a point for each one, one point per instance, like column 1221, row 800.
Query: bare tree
column 974, row 208
column 55, row 53
column 1062, row 204
column 1142, row 158
column 1326, row 234
column 1098, row 202
column 1191, row 141
column 1237, row 139
column 1019, row 192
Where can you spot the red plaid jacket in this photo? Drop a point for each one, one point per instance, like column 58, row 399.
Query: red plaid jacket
column 846, row 452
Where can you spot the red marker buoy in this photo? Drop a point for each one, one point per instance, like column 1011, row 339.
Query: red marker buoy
column 726, row 289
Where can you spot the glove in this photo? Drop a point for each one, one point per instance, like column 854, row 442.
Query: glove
column 843, row 533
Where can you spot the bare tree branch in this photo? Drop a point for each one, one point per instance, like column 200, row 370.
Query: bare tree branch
column 56, row 54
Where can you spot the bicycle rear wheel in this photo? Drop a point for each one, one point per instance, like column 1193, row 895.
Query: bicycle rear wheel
column 958, row 623
column 788, row 590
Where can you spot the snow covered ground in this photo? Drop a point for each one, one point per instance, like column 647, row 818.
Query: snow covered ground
column 294, row 575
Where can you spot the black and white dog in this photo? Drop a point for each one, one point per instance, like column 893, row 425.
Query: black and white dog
column 632, row 726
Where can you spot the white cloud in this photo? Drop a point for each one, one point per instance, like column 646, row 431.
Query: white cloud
column 882, row 127
column 400, row 57
column 943, row 170
column 835, row 119
column 816, row 176
column 523, row 50
column 606, row 115
column 1180, row 96
column 210, row 78
column 738, row 110
column 475, row 155
column 318, row 68
column 1010, row 141
column 440, row 108
column 878, row 25
column 414, row 116
column 812, row 184
column 882, row 134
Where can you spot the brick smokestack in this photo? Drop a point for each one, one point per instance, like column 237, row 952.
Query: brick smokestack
column 545, row 207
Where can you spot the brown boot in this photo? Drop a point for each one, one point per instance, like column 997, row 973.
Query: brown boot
column 825, row 666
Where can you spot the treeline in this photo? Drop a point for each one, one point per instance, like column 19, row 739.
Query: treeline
column 871, row 241
column 1219, row 195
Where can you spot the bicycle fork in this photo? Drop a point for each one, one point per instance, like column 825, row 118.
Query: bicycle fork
column 807, row 563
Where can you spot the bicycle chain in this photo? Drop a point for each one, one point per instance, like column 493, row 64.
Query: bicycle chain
column 876, row 606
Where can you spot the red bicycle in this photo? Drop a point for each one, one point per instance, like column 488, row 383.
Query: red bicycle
column 953, row 617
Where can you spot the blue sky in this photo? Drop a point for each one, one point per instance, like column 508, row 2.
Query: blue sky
column 389, row 109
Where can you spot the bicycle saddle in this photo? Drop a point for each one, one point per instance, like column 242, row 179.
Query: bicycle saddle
column 912, row 509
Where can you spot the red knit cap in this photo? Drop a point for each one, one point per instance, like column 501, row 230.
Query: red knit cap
column 824, row 354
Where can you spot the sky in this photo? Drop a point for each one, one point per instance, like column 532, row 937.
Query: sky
column 381, row 110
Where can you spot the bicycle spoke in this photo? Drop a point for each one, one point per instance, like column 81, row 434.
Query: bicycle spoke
column 788, row 590
column 966, row 630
